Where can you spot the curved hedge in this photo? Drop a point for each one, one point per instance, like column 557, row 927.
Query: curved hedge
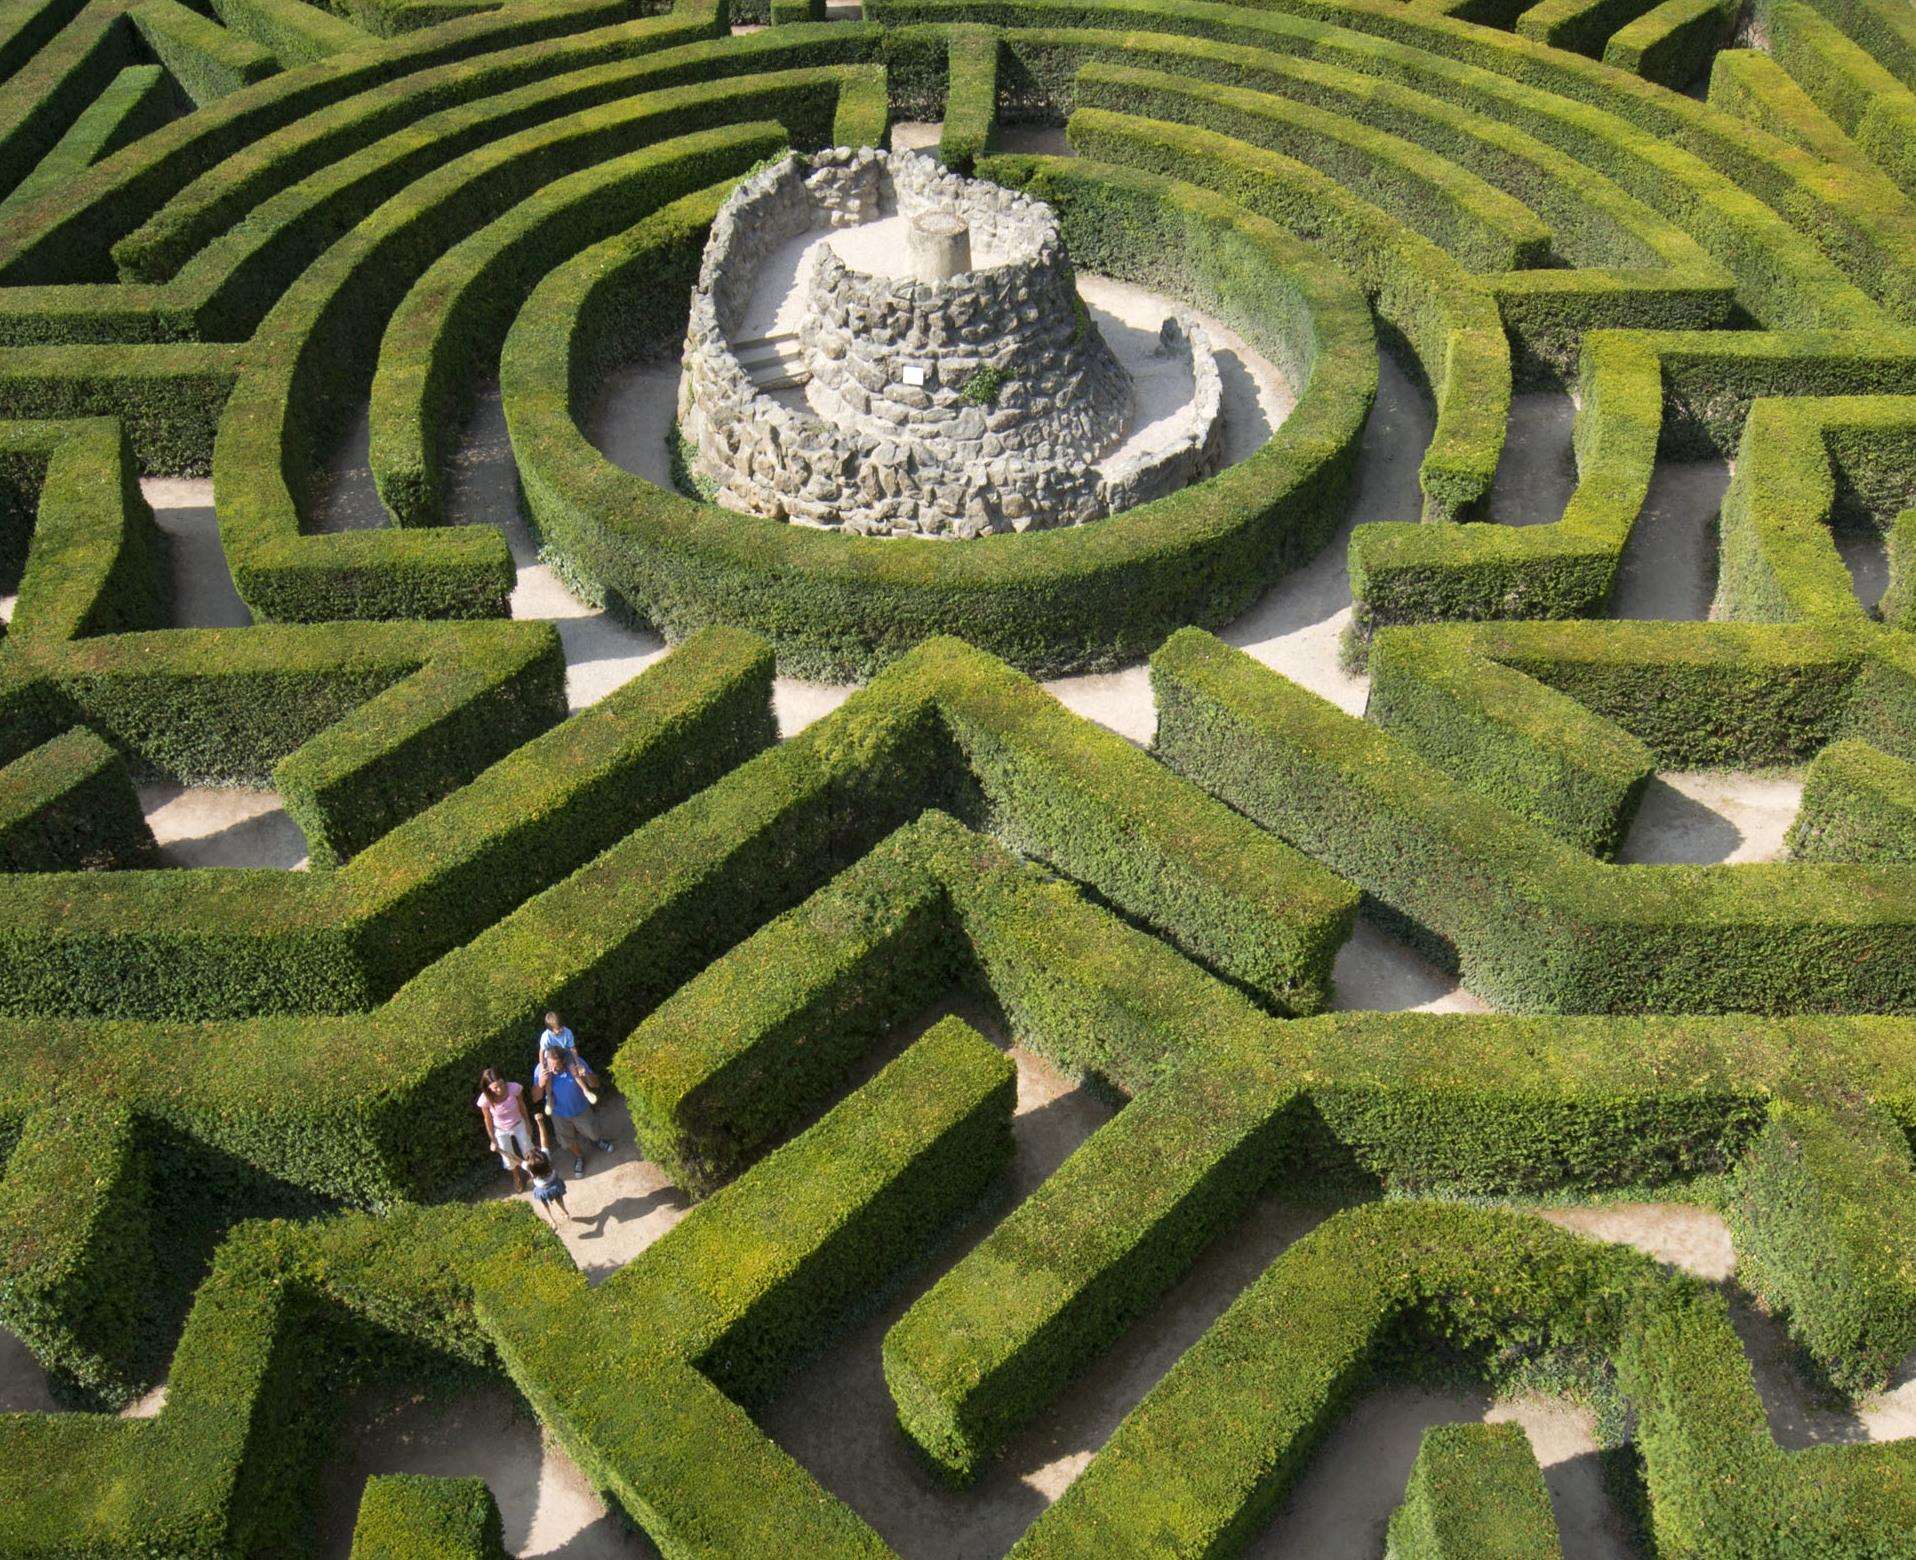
column 841, row 605
column 1450, row 322
column 1702, row 169
column 1480, row 226
column 313, row 342
column 1633, row 266
column 69, row 236
column 448, row 330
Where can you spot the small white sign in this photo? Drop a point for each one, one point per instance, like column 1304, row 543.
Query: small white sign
column 913, row 374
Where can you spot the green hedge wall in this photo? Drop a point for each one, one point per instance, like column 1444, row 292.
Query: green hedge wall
column 1449, row 321
column 1859, row 804
column 167, row 397
column 1673, row 42
column 1873, row 107
column 68, row 806
column 971, row 98
column 1898, row 606
column 557, row 801
column 293, row 32
column 1475, row 1490
column 312, row 345
column 141, row 99
column 1710, row 175
column 1533, row 922
column 1233, row 1106
column 753, row 1043
column 1641, row 394
column 1212, row 1450
column 78, row 1293
column 72, row 239
column 1478, row 225
column 405, row 1516
column 294, row 1315
column 94, row 564
column 457, row 843
column 222, row 251
column 448, row 330
column 1820, row 1218
column 769, row 1031
column 1525, row 746
column 1210, row 1453
column 1805, row 465
column 203, row 57
column 1751, row 86
column 731, row 1286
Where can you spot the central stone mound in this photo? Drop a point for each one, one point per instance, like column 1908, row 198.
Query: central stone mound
column 880, row 345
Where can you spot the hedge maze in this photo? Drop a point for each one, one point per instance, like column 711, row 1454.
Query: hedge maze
column 236, row 1102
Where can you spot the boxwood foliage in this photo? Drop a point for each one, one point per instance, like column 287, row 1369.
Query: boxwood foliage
column 1224, row 1104
column 1873, row 107
column 408, row 1516
column 140, row 100
column 1641, row 394
column 1212, row 1450
column 971, row 97
column 765, row 1034
column 1812, row 1236
column 448, row 330
column 1859, row 804
column 1239, row 1106
column 1632, row 265
column 1425, row 295
column 1533, row 922
column 73, row 237
column 78, row 1288
column 203, row 57
column 707, row 1086
column 1806, row 465
column 312, row 345
column 436, row 861
column 167, row 396
column 838, row 605
column 69, row 805
column 85, row 552
column 946, row 723
column 1525, row 746
column 294, row 32
column 1898, row 604
column 1841, row 248
column 632, row 1385
column 1751, row 86
column 1673, row 42
column 1474, row 1490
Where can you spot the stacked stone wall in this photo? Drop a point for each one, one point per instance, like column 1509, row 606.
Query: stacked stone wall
column 959, row 408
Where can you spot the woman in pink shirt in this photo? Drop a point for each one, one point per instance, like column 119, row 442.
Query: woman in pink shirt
column 502, row 1106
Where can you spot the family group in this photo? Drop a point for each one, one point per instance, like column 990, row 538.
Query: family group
column 562, row 1093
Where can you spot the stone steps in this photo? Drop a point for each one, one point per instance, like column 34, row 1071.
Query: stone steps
column 773, row 362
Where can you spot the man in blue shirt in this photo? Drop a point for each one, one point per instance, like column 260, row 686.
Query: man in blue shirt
column 565, row 1079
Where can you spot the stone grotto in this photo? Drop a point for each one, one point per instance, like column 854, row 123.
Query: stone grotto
column 882, row 346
